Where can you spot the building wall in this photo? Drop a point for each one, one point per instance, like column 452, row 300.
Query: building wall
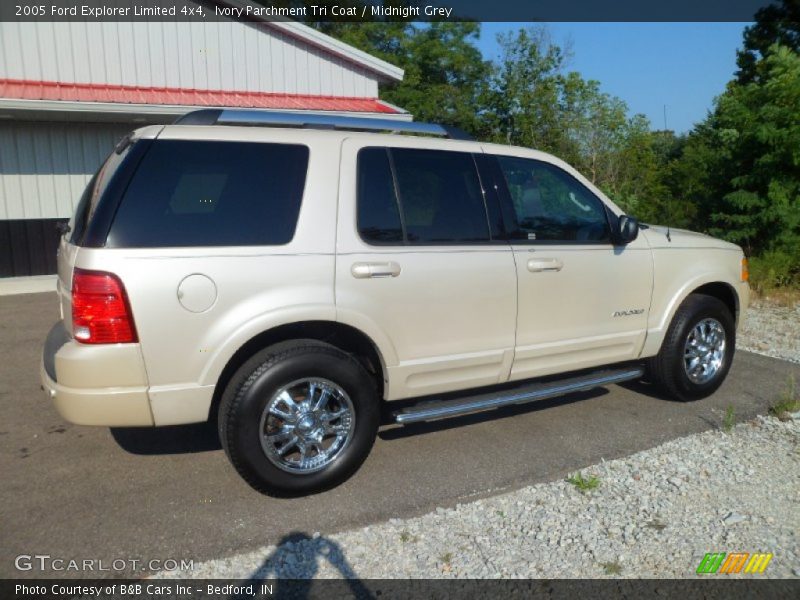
column 212, row 56
column 44, row 168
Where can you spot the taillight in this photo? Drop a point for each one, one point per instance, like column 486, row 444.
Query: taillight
column 745, row 270
column 101, row 313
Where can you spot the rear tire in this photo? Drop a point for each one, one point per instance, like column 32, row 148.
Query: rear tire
column 298, row 417
column 697, row 351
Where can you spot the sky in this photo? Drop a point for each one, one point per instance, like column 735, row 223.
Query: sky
column 682, row 66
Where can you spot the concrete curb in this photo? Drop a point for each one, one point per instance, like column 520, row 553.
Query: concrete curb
column 28, row 285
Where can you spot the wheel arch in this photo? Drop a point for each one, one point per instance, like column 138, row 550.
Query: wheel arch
column 340, row 335
column 725, row 291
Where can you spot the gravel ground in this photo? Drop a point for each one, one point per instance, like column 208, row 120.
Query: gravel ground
column 653, row 514
column 772, row 330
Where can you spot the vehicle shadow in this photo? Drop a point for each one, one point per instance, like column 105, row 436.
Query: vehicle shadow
column 173, row 439
column 288, row 572
column 203, row 437
column 646, row 388
column 413, row 429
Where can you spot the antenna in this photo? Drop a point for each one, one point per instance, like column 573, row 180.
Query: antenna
column 669, row 212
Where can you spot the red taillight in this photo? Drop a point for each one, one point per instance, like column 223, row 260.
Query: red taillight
column 101, row 313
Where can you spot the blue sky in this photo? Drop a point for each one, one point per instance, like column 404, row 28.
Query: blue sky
column 649, row 65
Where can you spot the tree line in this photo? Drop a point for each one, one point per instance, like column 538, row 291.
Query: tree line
column 736, row 175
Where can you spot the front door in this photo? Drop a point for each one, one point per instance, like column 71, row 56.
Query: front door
column 583, row 301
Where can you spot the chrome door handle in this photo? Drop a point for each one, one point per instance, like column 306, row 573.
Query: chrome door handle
column 541, row 265
column 372, row 270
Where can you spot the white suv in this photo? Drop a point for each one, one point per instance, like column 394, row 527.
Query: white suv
column 290, row 275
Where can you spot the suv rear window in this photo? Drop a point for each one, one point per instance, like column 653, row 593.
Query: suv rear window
column 204, row 193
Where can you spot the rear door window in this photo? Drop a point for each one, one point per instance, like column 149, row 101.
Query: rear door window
column 378, row 215
column 207, row 193
column 415, row 196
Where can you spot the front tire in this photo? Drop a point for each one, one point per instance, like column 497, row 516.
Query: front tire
column 697, row 351
column 298, row 417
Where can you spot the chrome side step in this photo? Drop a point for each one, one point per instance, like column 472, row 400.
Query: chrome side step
column 430, row 410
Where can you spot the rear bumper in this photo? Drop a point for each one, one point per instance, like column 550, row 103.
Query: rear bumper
column 95, row 385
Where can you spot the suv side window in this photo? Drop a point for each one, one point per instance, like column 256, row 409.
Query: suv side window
column 190, row 193
column 414, row 196
column 378, row 214
column 550, row 205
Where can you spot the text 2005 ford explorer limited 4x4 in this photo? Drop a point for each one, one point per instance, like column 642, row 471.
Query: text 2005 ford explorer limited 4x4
column 292, row 277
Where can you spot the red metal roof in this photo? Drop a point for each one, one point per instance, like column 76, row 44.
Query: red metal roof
column 121, row 94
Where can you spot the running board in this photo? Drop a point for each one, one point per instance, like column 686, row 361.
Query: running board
column 430, row 410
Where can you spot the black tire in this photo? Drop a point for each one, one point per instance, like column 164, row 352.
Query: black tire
column 246, row 397
column 666, row 370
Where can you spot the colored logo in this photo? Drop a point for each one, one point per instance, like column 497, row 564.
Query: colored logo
column 735, row 562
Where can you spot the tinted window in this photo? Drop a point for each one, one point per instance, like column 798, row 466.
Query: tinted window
column 440, row 195
column 95, row 190
column 551, row 205
column 212, row 194
column 378, row 215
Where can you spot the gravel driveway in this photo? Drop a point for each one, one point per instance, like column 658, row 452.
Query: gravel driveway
column 653, row 514
column 772, row 330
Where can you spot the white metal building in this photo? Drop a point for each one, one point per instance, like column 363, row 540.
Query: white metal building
column 69, row 91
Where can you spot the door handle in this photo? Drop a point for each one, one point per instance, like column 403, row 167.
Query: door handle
column 373, row 270
column 541, row 265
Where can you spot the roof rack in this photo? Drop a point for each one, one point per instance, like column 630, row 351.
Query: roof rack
column 217, row 116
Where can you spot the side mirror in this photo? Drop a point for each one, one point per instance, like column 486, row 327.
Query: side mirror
column 627, row 229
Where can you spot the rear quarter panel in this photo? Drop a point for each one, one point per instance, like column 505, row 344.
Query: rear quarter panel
column 256, row 287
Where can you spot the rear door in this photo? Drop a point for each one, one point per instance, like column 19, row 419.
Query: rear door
column 583, row 301
column 420, row 266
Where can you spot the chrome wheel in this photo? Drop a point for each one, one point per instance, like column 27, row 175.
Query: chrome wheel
column 306, row 425
column 704, row 351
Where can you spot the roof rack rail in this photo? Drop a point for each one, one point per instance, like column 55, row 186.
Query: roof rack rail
column 217, row 116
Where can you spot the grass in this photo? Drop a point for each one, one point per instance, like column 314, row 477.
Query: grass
column 729, row 420
column 446, row 558
column 584, row 484
column 789, row 401
column 787, row 298
column 612, row 568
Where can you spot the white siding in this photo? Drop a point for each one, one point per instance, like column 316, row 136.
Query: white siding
column 211, row 55
column 44, row 167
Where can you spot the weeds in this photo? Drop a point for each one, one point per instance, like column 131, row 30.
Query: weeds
column 584, row 484
column 656, row 524
column 612, row 568
column 406, row 537
column 729, row 420
column 789, row 401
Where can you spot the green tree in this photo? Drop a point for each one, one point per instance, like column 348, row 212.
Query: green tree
column 532, row 102
column 758, row 127
column 774, row 24
column 445, row 74
column 523, row 100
